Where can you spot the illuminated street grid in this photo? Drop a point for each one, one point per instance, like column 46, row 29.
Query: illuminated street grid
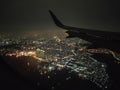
column 57, row 54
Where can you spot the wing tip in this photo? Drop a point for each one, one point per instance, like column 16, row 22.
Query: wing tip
column 55, row 19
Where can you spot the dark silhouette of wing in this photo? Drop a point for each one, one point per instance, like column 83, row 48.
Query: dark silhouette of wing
column 97, row 37
column 88, row 32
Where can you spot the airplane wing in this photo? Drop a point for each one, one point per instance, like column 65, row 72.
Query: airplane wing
column 79, row 32
column 59, row 24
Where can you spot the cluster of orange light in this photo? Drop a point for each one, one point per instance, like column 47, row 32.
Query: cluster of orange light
column 99, row 50
column 22, row 53
column 26, row 53
column 105, row 51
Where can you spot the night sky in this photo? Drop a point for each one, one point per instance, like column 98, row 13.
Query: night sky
column 27, row 15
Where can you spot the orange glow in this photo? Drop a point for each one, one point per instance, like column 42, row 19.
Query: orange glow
column 26, row 53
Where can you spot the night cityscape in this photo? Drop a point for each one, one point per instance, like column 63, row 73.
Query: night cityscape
column 59, row 45
column 47, row 56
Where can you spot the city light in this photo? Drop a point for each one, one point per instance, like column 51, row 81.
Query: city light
column 58, row 54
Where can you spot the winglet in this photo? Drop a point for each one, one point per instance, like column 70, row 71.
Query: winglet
column 56, row 20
